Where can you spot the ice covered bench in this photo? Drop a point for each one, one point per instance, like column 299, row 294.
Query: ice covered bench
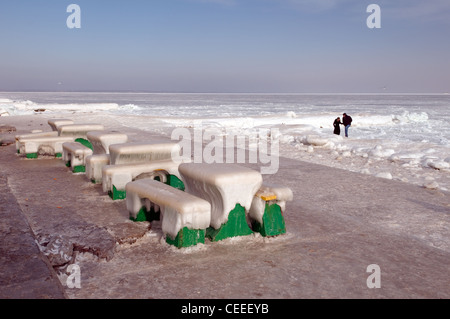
column 74, row 155
column 55, row 123
column 100, row 142
column 47, row 145
column 128, row 153
column 184, row 216
column 79, row 132
column 230, row 189
column 266, row 212
column 115, row 177
column 33, row 135
column 94, row 167
column 142, row 152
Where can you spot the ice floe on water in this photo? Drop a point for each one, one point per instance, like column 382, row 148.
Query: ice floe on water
column 398, row 137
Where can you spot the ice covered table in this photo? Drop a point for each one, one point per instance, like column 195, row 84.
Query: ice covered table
column 184, row 216
column 55, row 123
column 230, row 189
column 33, row 135
column 266, row 212
column 79, row 132
column 46, row 145
column 142, row 152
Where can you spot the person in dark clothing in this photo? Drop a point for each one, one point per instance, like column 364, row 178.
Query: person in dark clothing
column 337, row 128
column 347, row 122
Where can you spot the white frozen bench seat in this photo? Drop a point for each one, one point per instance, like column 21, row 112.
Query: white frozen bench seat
column 33, row 135
column 230, row 189
column 184, row 216
column 266, row 212
column 102, row 140
column 55, row 123
column 116, row 177
column 51, row 145
column 74, row 155
column 94, row 167
column 142, row 152
column 79, row 132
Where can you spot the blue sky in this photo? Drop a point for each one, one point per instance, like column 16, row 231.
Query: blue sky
column 264, row 46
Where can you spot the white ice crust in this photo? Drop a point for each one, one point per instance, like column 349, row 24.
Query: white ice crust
column 283, row 194
column 121, row 174
column 142, row 152
column 178, row 209
column 78, row 130
column 47, row 144
column 76, row 153
column 34, row 135
column 94, row 166
column 55, row 123
column 222, row 185
column 102, row 140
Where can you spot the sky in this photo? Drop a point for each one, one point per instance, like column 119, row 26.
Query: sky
column 225, row 46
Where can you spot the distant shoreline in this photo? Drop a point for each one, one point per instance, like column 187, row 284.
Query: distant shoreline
column 230, row 93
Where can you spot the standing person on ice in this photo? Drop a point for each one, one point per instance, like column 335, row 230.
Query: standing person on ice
column 337, row 128
column 347, row 122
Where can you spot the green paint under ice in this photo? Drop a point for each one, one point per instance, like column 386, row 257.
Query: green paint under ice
column 84, row 142
column 36, row 155
column 116, row 194
column 172, row 180
column 273, row 222
column 235, row 226
column 32, row 155
column 79, row 169
column 145, row 215
column 187, row 238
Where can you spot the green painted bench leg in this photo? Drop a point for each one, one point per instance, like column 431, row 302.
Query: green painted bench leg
column 187, row 238
column 117, row 194
column 79, row 169
column 174, row 181
column 273, row 222
column 145, row 215
column 32, row 155
column 235, row 226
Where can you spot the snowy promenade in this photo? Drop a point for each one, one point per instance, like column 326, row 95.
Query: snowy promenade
column 338, row 224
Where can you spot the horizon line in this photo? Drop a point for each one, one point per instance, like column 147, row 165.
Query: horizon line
column 230, row 93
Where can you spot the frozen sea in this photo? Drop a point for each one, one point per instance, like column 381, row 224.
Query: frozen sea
column 403, row 137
